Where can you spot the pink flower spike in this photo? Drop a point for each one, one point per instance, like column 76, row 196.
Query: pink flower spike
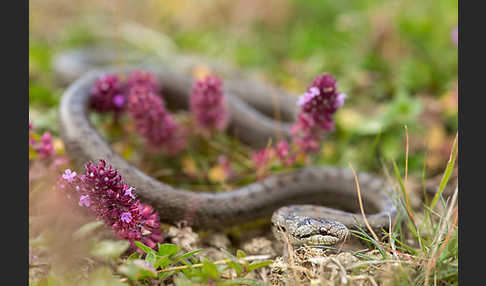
column 262, row 157
column 208, row 104
column 153, row 121
column 44, row 146
column 103, row 190
column 144, row 78
column 126, row 217
column 282, row 149
column 340, row 99
column 128, row 192
column 106, row 92
column 69, row 175
column 317, row 108
column 119, row 101
column 308, row 96
column 84, row 200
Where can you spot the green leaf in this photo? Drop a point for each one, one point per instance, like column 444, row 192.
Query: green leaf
column 144, row 248
column 137, row 269
column 259, row 264
column 236, row 266
column 87, row 229
column 240, row 253
column 186, row 255
column 162, row 261
column 165, row 275
column 134, row 255
column 102, row 276
column 110, row 249
column 211, row 269
column 151, row 258
column 168, row 249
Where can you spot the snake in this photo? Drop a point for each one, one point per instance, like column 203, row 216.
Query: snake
column 314, row 205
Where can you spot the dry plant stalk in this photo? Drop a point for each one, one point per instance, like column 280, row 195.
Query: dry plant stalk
column 406, row 177
column 435, row 253
column 361, row 204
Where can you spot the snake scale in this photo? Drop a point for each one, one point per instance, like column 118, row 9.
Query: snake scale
column 293, row 199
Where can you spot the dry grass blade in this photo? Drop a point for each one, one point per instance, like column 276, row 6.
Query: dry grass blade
column 405, row 194
column 290, row 252
column 361, row 204
column 407, row 200
column 406, row 155
column 451, row 230
column 343, row 276
column 434, row 253
column 376, row 262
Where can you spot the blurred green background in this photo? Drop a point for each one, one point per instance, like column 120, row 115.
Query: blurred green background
column 395, row 60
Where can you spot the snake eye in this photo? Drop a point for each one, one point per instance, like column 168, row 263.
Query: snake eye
column 323, row 230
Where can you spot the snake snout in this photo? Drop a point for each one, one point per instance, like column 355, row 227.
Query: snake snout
column 312, row 231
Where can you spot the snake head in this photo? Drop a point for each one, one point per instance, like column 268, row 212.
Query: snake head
column 311, row 231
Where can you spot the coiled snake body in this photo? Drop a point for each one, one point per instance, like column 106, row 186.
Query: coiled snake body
column 292, row 197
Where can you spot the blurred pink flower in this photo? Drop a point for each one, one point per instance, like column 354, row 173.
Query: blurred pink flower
column 262, row 159
column 153, row 121
column 208, row 104
column 317, row 108
column 144, row 78
column 455, row 35
column 107, row 94
column 43, row 147
column 284, row 153
column 69, row 175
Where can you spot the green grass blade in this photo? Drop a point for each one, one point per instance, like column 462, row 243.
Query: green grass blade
column 447, row 173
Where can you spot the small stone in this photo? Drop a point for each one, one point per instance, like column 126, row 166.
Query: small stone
column 218, row 240
column 259, row 246
column 185, row 237
column 346, row 258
